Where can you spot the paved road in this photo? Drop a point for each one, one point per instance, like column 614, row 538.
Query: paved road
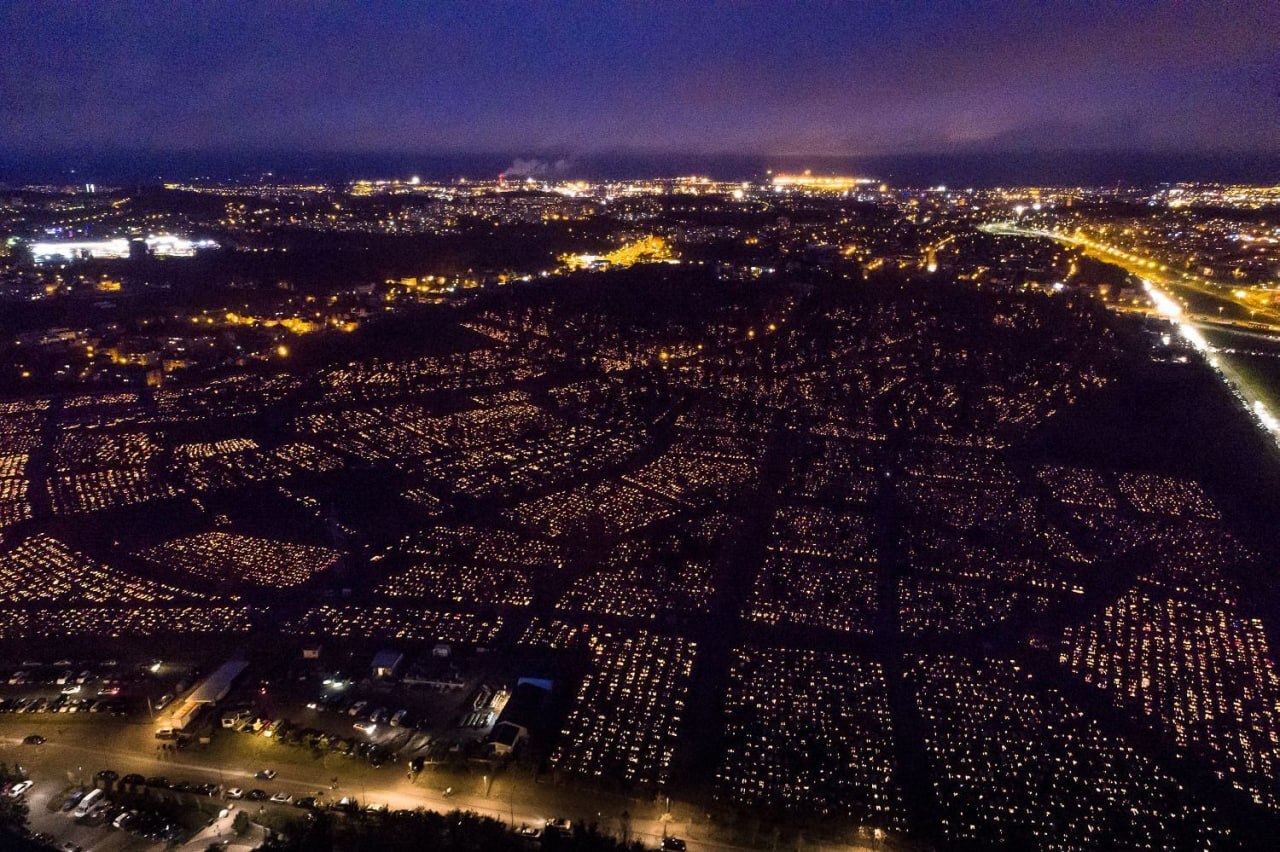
column 75, row 754
column 1162, row 274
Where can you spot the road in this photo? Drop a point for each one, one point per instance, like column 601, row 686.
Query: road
column 1260, row 316
column 1154, row 276
column 80, row 752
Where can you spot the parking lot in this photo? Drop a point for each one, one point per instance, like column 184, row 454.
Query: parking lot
column 433, row 710
column 291, row 736
column 67, row 687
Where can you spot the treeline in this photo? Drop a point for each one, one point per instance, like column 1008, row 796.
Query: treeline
column 427, row 831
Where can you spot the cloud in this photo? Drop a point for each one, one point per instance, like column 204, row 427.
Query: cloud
column 535, row 167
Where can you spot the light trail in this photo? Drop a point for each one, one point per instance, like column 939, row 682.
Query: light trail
column 1170, row 309
column 1142, row 267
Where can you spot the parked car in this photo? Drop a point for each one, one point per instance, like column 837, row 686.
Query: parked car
column 88, row 803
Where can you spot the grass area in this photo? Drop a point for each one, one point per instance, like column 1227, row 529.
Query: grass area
column 1261, row 373
column 1240, row 339
column 1200, row 302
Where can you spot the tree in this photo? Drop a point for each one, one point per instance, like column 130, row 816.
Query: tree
column 13, row 815
column 426, row 831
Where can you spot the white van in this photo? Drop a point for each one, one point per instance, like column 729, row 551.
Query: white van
column 87, row 803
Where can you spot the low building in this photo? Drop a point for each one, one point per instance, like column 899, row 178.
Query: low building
column 206, row 693
column 215, row 687
column 386, row 664
column 506, row 737
column 522, row 712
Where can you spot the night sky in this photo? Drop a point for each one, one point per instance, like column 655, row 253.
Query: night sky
column 579, row 79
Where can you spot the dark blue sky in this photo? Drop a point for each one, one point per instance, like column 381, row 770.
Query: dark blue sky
column 579, row 79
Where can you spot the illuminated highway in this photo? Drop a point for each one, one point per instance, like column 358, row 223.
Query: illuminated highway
column 1155, row 276
column 1249, row 311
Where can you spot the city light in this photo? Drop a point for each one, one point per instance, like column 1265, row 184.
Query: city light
column 649, row 249
column 821, row 183
column 547, row 447
column 118, row 248
column 529, row 426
